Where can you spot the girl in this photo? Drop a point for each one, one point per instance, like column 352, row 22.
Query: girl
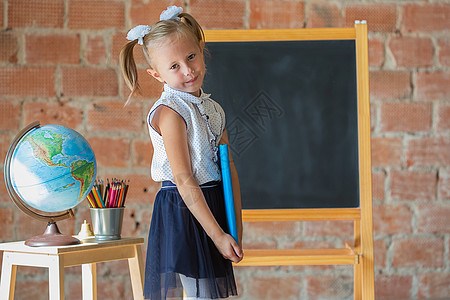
column 187, row 245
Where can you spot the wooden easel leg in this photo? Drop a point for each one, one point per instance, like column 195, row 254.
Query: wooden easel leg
column 8, row 278
column 56, row 278
column 89, row 281
column 357, row 270
column 367, row 278
column 363, row 271
column 137, row 273
column 357, row 281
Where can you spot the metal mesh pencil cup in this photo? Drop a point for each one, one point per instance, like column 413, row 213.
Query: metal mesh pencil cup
column 107, row 223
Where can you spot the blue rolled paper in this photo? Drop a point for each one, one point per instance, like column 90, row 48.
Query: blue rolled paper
column 228, row 191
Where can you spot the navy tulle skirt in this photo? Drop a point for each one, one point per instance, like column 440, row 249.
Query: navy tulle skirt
column 181, row 253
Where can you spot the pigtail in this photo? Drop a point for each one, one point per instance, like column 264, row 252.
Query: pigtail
column 194, row 26
column 129, row 69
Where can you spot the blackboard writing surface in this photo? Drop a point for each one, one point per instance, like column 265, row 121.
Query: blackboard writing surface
column 291, row 109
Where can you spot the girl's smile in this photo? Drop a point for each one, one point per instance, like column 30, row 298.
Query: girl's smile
column 193, row 80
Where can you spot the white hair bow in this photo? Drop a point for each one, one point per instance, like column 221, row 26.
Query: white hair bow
column 138, row 33
column 171, row 12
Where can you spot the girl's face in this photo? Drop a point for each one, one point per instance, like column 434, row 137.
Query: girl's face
column 179, row 62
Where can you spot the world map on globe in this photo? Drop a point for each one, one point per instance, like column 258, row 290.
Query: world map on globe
column 52, row 168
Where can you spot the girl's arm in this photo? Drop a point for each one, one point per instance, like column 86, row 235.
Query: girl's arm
column 173, row 130
column 236, row 190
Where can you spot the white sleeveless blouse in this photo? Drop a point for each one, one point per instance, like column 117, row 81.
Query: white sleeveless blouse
column 205, row 122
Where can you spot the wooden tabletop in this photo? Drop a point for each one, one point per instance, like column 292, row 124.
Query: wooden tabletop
column 87, row 245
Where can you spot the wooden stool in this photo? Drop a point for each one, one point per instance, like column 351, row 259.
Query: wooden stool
column 57, row 257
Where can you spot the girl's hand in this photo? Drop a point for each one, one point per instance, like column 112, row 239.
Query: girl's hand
column 228, row 247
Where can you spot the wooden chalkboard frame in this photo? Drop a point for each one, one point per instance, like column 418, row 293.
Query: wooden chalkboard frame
column 361, row 253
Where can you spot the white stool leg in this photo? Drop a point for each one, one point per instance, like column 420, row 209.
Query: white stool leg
column 56, row 278
column 137, row 273
column 8, row 278
column 89, row 281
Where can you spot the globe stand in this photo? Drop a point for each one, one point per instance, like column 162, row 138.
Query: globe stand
column 51, row 237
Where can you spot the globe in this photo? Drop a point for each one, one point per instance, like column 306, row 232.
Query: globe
column 49, row 169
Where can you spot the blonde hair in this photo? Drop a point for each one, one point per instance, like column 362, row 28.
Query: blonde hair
column 187, row 26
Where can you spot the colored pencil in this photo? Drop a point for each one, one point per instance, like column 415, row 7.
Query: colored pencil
column 120, row 199
column 94, row 196
column 91, row 202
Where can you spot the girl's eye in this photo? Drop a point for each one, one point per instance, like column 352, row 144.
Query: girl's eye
column 192, row 56
column 174, row 67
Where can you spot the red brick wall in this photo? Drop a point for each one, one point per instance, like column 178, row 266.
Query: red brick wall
column 59, row 65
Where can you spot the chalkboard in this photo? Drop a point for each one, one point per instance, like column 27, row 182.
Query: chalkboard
column 291, row 110
column 298, row 120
